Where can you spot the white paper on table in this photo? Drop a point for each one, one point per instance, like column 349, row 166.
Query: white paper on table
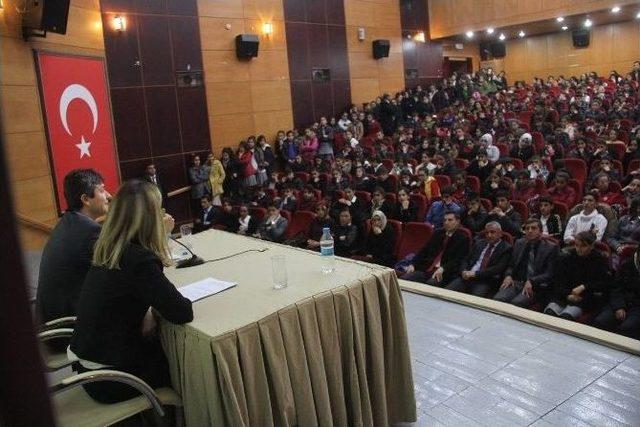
column 204, row 288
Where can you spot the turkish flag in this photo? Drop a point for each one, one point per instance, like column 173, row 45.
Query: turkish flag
column 77, row 112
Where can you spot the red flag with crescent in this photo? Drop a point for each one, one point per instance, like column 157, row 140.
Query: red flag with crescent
column 77, row 113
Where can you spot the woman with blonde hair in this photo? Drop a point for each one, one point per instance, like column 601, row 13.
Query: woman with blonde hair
column 115, row 325
column 216, row 178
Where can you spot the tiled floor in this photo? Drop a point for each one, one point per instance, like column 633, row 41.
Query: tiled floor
column 474, row 368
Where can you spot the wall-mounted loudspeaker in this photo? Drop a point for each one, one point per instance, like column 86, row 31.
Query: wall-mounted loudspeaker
column 581, row 38
column 381, row 49
column 41, row 16
column 247, row 46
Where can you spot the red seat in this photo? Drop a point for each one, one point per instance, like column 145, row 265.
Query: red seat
column 578, row 169
column 287, row 215
column 521, row 208
column 604, row 248
column 562, row 210
column 633, row 165
column 414, row 236
column 304, row 176
column 363, row 196
column 461, row 163
column 486, row 203
column 258, row 213
column 469, row 236
column 504, row 149
column 397, row 229
column 443, row 180
column 299, row 223
column 525, row 117
column 394, row 183
column 388, row 164
column 577, row 186
column 538, row 140
column 391, row 197
column 421, row 202
column 271, row 192
column 474, row 183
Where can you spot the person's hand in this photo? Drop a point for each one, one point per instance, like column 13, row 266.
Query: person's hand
column 376, row 230
column 466, row 275
column 438, row 274
column 405, row 204
column 621, row 314
column 578, row 290
column 508, row 281
column 312, row 243
column 169, row 222
column 527, row 290
column 149, row 324
column 342, row 238
column 574, row 298
column 410, row 269
column 343, row 201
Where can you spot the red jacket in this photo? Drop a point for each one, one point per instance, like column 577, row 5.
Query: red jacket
column 246, row 164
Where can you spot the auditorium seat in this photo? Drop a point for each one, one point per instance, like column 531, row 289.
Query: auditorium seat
column 414, row 236
column 363, row 196
column 562, row 210
column 633, row 165
column 578, row 170
column 474, row 183
column 421, row 202
column 461, row 163
column 299, row 223
column 503, row 148
column 303, row 176
column 286, row 214
column 486, row 203
column 258, row 213
column 443, row 180
column 397, row 229
column 391, row 197
column 521, row 208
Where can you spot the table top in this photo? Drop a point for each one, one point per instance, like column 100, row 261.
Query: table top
column 254, row 297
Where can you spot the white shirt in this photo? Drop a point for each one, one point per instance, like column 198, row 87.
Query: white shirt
column 204, row 216
column 543, row 221
column 244, row 224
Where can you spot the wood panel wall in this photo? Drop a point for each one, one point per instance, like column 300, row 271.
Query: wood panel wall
column 450, row 17
column 244, row 97
column 370, row 77
column 23, row 126
column 612, row 47
column 469, row 50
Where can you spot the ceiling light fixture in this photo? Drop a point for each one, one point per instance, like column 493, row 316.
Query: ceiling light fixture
column 469, row 34
column 119, row 23
column 565, row 28
column 615, row 9
column 521, row 34
column 560, row 18
column 638, row 15
column 420, row 37
column 489, row 30
column 502, row 37
column 587, row 23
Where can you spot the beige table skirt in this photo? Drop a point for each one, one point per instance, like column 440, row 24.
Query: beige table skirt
column 340, row 357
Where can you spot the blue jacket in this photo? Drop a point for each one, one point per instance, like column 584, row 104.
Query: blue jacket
column 435, row 216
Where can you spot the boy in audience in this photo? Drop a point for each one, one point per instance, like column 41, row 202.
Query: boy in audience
column 589, row 219
column 504, row 213
column 207, row 215
column 551, row 222
column 438, row 209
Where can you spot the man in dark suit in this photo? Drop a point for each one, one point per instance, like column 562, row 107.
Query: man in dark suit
column 66, row 258
column 351, row 202
column 151, row 175
column 440, row 260
column 483, row 269
column 530, row 269
column 207, row 215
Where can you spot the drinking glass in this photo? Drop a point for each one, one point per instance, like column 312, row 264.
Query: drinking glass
column 279, row 265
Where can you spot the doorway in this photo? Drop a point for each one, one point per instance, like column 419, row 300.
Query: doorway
column 457, row 64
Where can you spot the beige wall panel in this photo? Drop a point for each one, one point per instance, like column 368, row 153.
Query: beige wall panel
column 536, row 53
column 228, row 97
column 394, row 35
column 270, row 65
column 16, row 63
column 355, row 45
column 264, row 10
column 218, row 37
column 391, row 67
column 391, row 86
column 10, row 20
column 228, row 131
column 386, row 15
column 220, row 8
column 625, row 41
column 276, row 41
column 84, row 29
column 270, row 95
column 28, row 155
column 358, row 13
column 34, row 198
column 224, row 66
column 364, row 90
column 269, row 123
column 516, row 59
column 362, row 65
column 87, row 4
column 602, row 45
column 30, row 239
column 20, row 107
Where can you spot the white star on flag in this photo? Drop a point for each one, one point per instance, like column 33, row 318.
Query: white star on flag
column 83, row 147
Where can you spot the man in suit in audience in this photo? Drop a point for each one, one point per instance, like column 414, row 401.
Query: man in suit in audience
column 273, row 226
column 530, row 269
column 207, row 215
column 440, row 260
column 151, row 175
column 483, row 269
column 66, row 258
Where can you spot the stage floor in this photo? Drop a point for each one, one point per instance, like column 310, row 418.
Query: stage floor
column 475, row 368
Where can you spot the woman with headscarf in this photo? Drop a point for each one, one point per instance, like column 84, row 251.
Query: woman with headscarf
column 380, row 242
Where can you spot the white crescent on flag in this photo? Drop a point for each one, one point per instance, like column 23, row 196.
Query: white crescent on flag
column 76, row 91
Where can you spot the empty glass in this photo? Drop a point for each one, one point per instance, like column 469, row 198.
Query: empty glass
column 185, row 235
column 279, row 265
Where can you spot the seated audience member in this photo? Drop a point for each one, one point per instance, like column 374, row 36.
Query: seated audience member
column 622, row 314
column 273, row 226
column 605, row 167
column 551, row 222
column 581, row 152
column 493, row 184
column 290, row 180
column 480, row 166
column 362, row 182
column 226, row 217
column 606, row 194
column 482, row 269
column 461, row 191
column 524, row 149
column 337, row 182
column 474, row 216
column 537, row 169
column 308, row 202
column 427, row 185
column 66, row 258
column 504, row 213
column 439, row 208
column 440, row 260
column 631, row 190
column 380, row 243
column 350, row 201
column 380, row 203
column 115, row 326
column 345, row 235
column 261, row 198
column 589, row 219
column 246, row 224
column 384, row 181
column 321, row 221
column 530, row 269
column 207, row 215
column 525, row 190
column 299, row 165
column 288, row 201
column 627, row 232
column 581, row 273
column 406, row 209
column 316, row 181
column 561, row 192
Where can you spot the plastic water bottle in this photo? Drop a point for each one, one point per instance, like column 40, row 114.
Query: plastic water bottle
column 326, row 252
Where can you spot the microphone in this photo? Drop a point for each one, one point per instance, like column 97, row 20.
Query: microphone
column 190, row 262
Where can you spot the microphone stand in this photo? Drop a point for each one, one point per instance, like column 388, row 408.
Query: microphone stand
column 190, row 262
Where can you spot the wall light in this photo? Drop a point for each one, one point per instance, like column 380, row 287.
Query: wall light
column 565, row 28
column 267, row 28
column 1, row 5
column 502, row 37
column 587, row 23
column 119, row 23
column 560, row 18
column 638, row 15
column 420, row 37
column 489, row 30
column 615, row 9
column 521, row 34
column 469, row 34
